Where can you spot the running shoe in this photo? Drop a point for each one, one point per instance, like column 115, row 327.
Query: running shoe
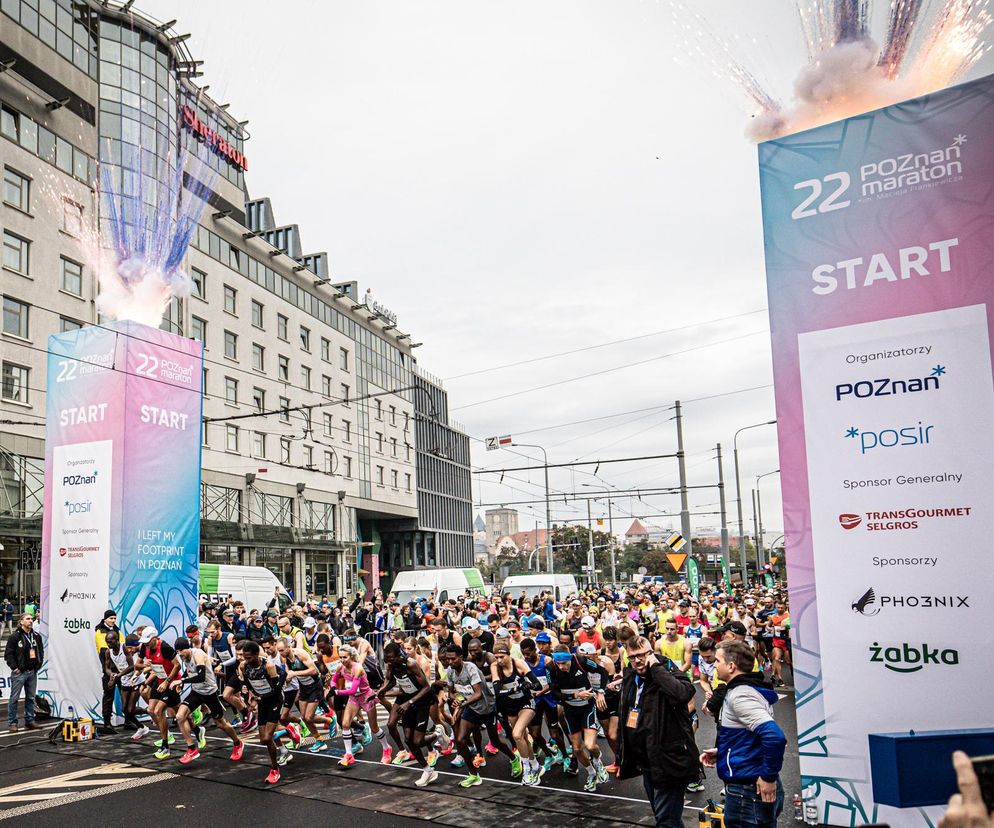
column 557, row 755
column 570, row 767
column 516, row 765
column 247, row 725
column 428, row 775
column 612, row 768
column 347, row 761
column 695, row 787
column 318, row 747
column 479, row 761
column 526, row 777
column 142, row 731
column 274, row 776
column 491, row 748
column 158, row 742
column 162, row 753
column 600, row 732
column 294, row 733
column 197, row 717
column 432, row 758
column 201, row 737
column 367, row 734
column 471, row 781
column 402, row 757
column 305, row 731
column 603, row 776
column 458, row 762
column 284, row 757
column 189, row 756
column 547, row 763
column 447, row 751
column 591, row 783
column 537, row 776
column 236, row 722
column 387, row 755
column 333, row 729
column 358, row 748
column 237, row 751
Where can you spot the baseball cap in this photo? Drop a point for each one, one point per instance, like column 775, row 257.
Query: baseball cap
column 182, row 643
column 147, row 635
column 587, row 621
column 309, row 623
column 543, row 638
column 470, row 623
column 586, row 649
column 622, row 606
column 736, row 627
column 502, row 632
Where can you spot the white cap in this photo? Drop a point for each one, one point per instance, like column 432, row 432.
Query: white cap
column 470, row 623
column 502, row 632
column 147, row 635
column 587, row 621
column 586, row 648
column 309, row 623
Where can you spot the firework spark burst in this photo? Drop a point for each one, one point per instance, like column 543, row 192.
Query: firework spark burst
column 928, row 45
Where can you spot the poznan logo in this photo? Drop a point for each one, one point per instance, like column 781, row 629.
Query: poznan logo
column 910, row 658
column 889, row 386
column 80, row 479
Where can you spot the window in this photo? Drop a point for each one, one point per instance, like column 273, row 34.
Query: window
column 203, row 383
column 284, row 368
column 281, row 324
column 198, row 328
column 308, row 424
column 71, row 279
column 393, row 478
column 326, row 385
column 407, row 482
column 231, row 390
column 9, row 119
column 393, row 446
column 15, row 317
column 257, row 313
column 230, row 345
column 199, row 283
column 379, row 442
column 172, row 316
column 15, row 252
column 284, row 410
column 328, row 420
column 231, row 437
column 325, row 350
column 379, row 475
column 284, row 449
column 16, row 189
column 407, row 452
column 66, row 324
column 347, row 464
column 258, row 357
column 203, row 432
column 343, row 359
column 379, row 409
column 345, row 393
column 305, row 338
column 72, row 218
column 258, row 444
column 308, row 456
column 259, row 399
column 230, row 299
column 328, row 462
column 407, row 421
column 393, row 415
column 305, row 377
column 346, row 431
column 14, row 382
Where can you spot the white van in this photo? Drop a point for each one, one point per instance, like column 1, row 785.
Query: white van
column 253, row 585
column 447, row 583
column 562, row 586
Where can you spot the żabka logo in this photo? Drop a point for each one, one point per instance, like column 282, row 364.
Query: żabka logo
column 74, row 625
column 909, row 658
column 889, row 387
column 850, row 521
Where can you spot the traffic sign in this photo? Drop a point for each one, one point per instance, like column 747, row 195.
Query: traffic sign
column 492, row 444
column 506, row 440
column 676, row 542
column 676, row 559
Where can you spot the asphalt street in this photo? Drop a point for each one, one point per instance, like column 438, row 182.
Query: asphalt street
column 112, row 780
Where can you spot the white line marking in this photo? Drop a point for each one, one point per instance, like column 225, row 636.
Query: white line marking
column 35, row 797
column 82, row 795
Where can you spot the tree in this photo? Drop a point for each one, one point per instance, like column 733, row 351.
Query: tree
column 631, row 556
column 570, row 545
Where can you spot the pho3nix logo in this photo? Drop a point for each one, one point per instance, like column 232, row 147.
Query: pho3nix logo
column 867, row 602
column 910, row 658
column 77, row 596
column 890, row 386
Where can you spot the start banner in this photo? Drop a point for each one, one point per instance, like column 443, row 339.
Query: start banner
column 879, row 254
column 122, row 496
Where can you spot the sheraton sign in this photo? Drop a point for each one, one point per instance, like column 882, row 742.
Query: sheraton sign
column 212, row 138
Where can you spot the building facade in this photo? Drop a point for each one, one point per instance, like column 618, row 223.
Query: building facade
column 311, row 423
column 499, row 524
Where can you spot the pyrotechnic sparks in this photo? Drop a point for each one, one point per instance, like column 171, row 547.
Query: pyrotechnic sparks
column 928, row 45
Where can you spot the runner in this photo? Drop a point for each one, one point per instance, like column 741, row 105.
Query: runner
column 472, row 707
column 221, row 649
column 159, row 660
column 513, row 684
column 115, row 662
column 612, row 659
column 198, row 675
column 302, row 669
column 780, row 622
column 546, row 708
column 350, row 681
column 411, row 708
column 266, row 682
column 130, row 682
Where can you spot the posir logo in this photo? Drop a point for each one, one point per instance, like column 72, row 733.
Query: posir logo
column 909, row 658
column 74, row 625
column 80, row 479
column 850, row 521
column 78, row 507
column 887, row 438
column 889, row 387
column 867, row 603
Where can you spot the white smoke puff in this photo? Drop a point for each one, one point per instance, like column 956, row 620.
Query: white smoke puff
column 181, row 283
column 767, row 125
column 844, row 71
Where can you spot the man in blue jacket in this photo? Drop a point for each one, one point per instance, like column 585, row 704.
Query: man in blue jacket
column 751, row 744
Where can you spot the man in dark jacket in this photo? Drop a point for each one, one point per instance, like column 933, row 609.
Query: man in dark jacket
column 657, row 739
column 24, row 654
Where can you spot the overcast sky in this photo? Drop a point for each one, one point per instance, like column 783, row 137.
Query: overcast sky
column 519, row 179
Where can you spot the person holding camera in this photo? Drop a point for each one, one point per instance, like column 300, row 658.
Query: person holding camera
column 24, row 654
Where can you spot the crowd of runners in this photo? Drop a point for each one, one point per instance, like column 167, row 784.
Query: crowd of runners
column 466, row 681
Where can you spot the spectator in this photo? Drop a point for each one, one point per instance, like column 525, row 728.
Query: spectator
column 100, row 633
column 24, row 655
column 6, row 617
column 966, row 809
column 658, row 738
column 31, row 606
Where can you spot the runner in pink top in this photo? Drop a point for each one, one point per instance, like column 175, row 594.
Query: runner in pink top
column 350, row 680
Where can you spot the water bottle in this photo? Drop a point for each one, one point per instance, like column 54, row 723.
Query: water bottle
column 72, row 714
column 811, row 813
column 798, row 808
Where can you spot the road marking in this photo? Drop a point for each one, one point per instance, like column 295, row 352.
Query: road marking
column 79, row 796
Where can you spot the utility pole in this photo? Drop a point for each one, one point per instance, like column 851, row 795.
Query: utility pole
column 755, row 528
column 590, row 543
column 724, row 518
column 610, row 531
column 682, row 462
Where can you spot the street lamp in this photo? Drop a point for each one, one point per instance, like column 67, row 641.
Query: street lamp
column 548, row 508
column 738, row 496
column 759, row 508
column 610, row 532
